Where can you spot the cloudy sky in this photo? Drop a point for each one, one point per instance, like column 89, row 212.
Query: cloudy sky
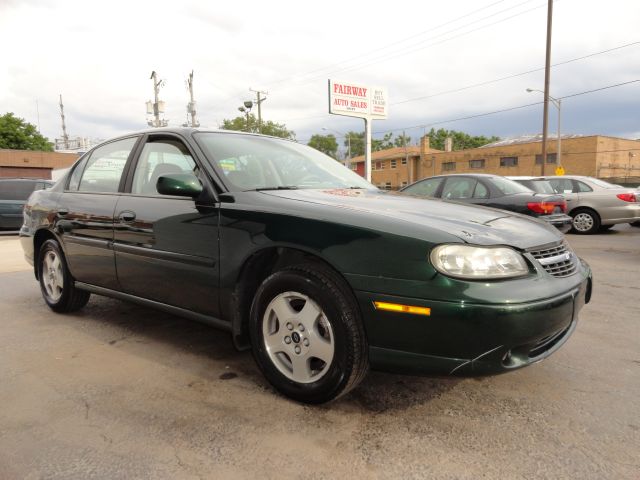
column 440, row 61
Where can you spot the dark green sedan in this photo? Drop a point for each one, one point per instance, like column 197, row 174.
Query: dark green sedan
column 316, row 271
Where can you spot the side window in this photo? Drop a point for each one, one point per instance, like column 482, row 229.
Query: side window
column 105, row 166
column 427, row 187
column 561, row 185
column 583, row 187
column 481, row 191
column 74, row 181
column 458, row 188
column 160, row 157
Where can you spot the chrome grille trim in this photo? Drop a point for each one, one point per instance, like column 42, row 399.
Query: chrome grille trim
column 558, row 260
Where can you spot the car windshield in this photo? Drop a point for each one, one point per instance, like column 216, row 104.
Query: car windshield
column 251, row 162
column 509, row 187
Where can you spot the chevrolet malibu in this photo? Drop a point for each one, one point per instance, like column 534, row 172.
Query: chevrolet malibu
column 316, row 271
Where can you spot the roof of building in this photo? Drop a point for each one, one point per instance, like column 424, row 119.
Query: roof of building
column 395, row 152
column 528, row 139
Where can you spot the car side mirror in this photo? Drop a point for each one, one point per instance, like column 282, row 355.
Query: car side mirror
column 179, row 184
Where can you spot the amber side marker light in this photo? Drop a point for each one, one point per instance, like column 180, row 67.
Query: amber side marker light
column 397, row 307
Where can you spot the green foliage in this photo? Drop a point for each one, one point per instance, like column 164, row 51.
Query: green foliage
column 17, row 134
column 402, row 141
column 461, row 140
column 357, row 143
column 268, row 127
column 325, row 143
column 387, row 141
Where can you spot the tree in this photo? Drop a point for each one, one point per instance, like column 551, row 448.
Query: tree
column 461, row 140
column 17, row 134
column 377, row 145
column 325, row 143
column 268, row 127
column 357, row 143
column 402, row 141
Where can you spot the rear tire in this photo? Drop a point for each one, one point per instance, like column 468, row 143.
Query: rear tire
column 307, row 335
column 585, row 221
column 56, row 283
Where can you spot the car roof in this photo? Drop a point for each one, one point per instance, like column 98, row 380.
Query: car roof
column 515, row 177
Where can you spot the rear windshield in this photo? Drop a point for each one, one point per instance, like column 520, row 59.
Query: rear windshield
column 16, row 189
column 541, row 186
column 509, row 187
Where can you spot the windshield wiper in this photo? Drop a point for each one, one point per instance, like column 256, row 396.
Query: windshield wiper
column 281, row 187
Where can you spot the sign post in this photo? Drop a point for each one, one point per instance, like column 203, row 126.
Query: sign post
column 361, row 101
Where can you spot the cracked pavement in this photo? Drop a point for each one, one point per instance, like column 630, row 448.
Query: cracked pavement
column 119, row 391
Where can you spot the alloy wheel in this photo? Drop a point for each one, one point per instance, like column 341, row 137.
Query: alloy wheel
column 298, row 337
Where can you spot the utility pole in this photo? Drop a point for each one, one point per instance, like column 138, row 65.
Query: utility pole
column 547, row 75
column 259, row 101
column 65, row 137
column 157, row 107
column 191, row 106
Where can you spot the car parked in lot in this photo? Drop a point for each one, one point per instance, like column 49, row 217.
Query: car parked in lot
column 495, row 191
column 595, row 204
column 13, row 195
column 317, row 271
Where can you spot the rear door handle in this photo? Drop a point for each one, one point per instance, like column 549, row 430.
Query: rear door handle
column 127, row 216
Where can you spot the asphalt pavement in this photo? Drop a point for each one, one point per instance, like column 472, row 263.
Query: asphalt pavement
column 117, row 391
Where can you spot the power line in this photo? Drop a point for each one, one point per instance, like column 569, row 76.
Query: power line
column 376, row 51
column 504, row 109
column 407, row 52
column 488, row 82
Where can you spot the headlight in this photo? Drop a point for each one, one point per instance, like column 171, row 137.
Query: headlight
column 466, row 261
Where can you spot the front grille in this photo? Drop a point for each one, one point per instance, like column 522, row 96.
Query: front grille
column 558, row 261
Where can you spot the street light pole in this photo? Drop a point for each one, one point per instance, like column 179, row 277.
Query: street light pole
column 557, row 102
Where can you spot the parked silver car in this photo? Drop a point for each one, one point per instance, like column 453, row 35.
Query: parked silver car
column 595, row 204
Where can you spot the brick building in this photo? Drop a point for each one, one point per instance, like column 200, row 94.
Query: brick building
column 28, row 163
column 614, row 159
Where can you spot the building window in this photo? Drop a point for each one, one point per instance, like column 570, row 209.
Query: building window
column 404, row 161
column 387, row 186
column 394, row 163
column 508, row 161
column 448, row 166
column 404, row 184
column 476, row 163
column 379, row 165
column 551, row 158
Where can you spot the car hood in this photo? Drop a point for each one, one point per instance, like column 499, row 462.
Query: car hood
column 472, row 224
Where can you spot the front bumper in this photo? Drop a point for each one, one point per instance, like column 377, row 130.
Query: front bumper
column 470, row 339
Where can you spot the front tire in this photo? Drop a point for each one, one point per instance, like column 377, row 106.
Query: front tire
column 307, row 335
column 56, row 283
column 585, row 221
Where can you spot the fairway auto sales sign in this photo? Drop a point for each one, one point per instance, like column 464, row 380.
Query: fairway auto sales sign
column 354, row 100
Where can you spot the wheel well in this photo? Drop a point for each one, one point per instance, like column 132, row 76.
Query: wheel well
column 39, row 238
column 258, row 267
column 578, row 209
